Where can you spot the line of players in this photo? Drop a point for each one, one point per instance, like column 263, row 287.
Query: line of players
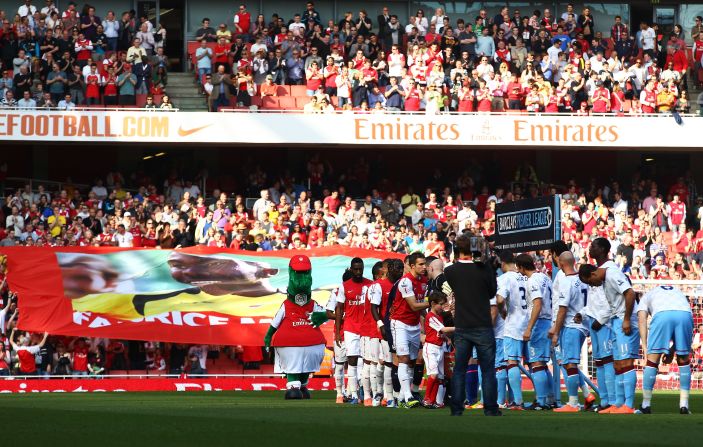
column 378, row 332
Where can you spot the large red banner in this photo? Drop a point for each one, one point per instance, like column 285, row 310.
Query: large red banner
column 195, row 295
column 130, row 385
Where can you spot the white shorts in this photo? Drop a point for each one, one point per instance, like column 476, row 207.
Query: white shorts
column 340, row 353
column 371, row 349
column 353, row 342
column 433, row 356
column 296, row 360
column 385, row 355
column 406, row 338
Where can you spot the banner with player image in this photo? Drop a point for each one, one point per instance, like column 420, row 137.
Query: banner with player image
column 194, row 295
column 526, row 225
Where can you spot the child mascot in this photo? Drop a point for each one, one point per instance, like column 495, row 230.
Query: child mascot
column 295, row 330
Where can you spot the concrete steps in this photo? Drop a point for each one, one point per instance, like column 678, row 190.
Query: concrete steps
column 185, row 93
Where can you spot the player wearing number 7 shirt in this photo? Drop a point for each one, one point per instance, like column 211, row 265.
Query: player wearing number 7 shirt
column 511, row 299
column 539, row 300
column 350, row 309
column 672, row 322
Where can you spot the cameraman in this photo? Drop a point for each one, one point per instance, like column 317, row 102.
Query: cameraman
column 474, row 285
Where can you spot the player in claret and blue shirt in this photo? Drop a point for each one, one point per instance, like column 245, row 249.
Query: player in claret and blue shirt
column 539, row 300
column 570, row 335
column 623, row 323
column 511, row 301
column 672, row 322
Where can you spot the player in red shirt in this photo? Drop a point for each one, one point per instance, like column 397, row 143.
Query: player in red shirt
column 408, row 305
column 349, row 316
column 434, row 348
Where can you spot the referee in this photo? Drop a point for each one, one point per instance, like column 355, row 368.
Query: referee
column 474, row 285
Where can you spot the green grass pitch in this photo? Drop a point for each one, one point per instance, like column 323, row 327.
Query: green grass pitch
column 264, row 418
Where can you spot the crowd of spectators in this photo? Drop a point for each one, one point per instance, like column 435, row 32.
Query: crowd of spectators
column 516, row 60
column 654, row 229
column 52, row 59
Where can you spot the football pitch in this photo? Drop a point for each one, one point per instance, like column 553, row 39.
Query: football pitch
column 264, row 418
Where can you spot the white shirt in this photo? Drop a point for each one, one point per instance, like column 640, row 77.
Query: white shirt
column 63, row 105
column 24, row 10
column 615, row 285
column 560, row 286
column 540, row 286
column 597, row 306
column 499, row 327
column 100, row 192
column 123, row 240
column 649, row 37
column 620, row 205
column 332, row 302
column 512, row 286
column 201, row 352
column 375, row 294
column 663, row 298
column 574, row 299
column 26, row 104
column 16, row 221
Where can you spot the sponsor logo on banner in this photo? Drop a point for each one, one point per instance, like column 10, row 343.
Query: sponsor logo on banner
column 447, row 130
column 530, row 224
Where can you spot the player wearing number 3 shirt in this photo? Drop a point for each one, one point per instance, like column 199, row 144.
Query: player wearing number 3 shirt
column 511, row 300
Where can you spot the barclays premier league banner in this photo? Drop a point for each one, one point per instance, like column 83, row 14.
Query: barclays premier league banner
column 530, row 224
column 196, row 295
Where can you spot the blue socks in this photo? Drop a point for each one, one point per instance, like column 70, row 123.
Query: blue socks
column 551, row 391
column 609, row 369
column 629, row 379
column 541, row 382
column 515, row 380
column 572, row 384
column 685, row 377
column 619, row 390
column 602, row 386
column 502, row 379
column 649, row 378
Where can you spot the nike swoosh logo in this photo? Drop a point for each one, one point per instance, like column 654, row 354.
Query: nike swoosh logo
column 184, row 133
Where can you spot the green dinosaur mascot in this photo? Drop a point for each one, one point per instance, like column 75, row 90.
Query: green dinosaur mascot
column 295, row 330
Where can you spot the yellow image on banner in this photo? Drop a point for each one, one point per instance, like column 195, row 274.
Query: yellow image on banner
column 130, row 285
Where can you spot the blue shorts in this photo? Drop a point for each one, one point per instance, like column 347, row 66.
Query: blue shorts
column 570, row 343
column 624, row 346
column 539, row 346
column 513, row 349
column 557, row 353
column 601, row 340
column 500, row 353
column 670, row 326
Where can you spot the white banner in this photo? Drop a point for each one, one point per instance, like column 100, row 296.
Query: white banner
column 351, row 129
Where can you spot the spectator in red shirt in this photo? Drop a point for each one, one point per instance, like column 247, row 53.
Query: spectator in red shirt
column 242, row 23
column 26, row 353
column 332, row 201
